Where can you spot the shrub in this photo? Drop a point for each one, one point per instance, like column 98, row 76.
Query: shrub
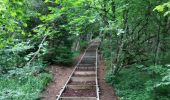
column 156, row 70
column 136, row 84
column 162, row 89
column 83, row 45
column 24, row 83
column 63, row 55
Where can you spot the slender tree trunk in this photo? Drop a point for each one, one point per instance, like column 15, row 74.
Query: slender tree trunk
column 157, row 51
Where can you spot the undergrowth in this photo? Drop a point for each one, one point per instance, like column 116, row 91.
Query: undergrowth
column 137, row 81
column 141, row 83
column 24, row 83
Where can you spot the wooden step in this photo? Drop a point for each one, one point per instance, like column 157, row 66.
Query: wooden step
column 81, row 87
column 78, row 98
column 84, row 72
column 81, row 79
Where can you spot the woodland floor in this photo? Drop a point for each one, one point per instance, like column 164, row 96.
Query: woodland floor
column 60, row 76
column 106, row 91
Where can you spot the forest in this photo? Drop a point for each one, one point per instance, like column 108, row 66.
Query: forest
column 134, row 43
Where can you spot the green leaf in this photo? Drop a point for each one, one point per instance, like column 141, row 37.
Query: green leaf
column 46, row 1
column 23, row 33
column 166, row 13
column 13, row 14
column 168, row 5
column 57, row 1
column 159, row 8
column 2, row 46
column 25, row 24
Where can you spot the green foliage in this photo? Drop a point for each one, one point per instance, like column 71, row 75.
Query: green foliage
column 105, row 49
column 83, row 45
column 135, row 83
column 38, row 31
column 156, row 70
column 63, row 55
column 161, row 8
column 162, row 89
column 45, row 30
column 11, row 57
column 23, row 83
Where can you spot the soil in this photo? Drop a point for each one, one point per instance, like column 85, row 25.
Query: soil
column 80, row 93
column 106, row 91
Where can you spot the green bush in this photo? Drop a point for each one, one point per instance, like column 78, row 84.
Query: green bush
column 9, row 60
column 83, row 45
column 105, row 50
column 24, row 83
column 156, row 70
column 162, row 89
column 137, row 83
column 63, row 55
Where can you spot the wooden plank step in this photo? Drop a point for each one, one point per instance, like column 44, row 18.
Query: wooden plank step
column 85, row 68
column 86, row 65
column 81, row 79
column 84, row 72
column 78, row 98
column 75, row 87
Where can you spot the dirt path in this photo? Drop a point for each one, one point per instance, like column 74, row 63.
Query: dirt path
column 61, row 75
column 107, row 92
